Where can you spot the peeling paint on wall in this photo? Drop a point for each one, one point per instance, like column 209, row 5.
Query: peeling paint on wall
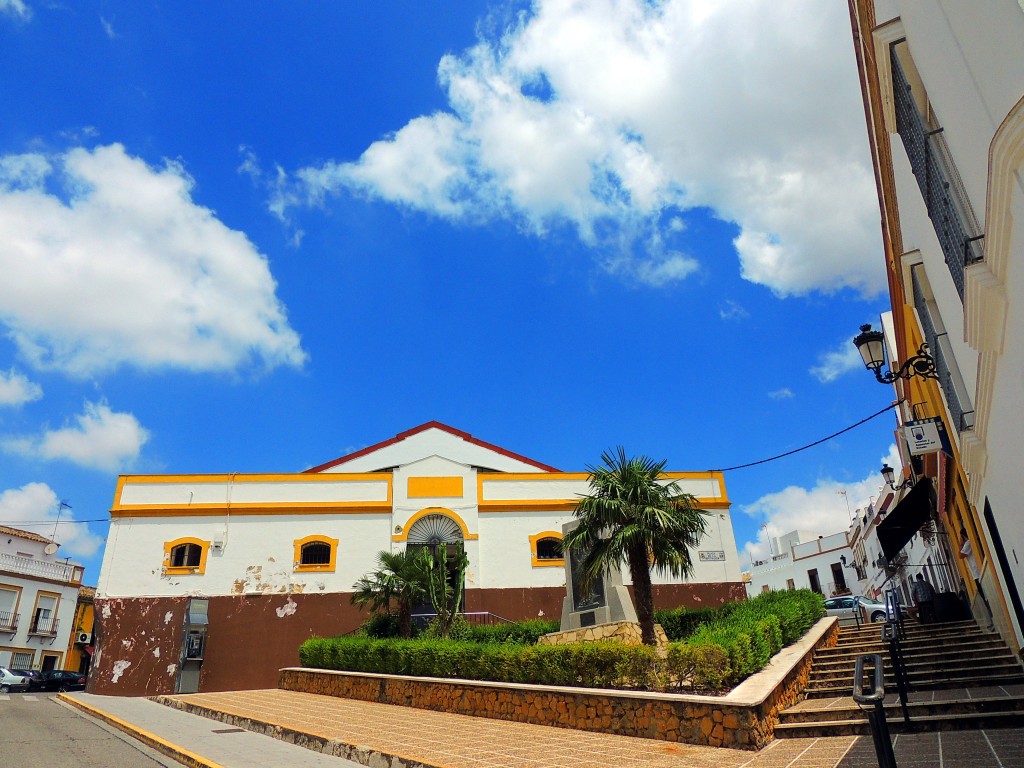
column 287, row 609
column 119, row 668
column 172, row 668
column 106, row 610
column 156, row 652
column 167, row 617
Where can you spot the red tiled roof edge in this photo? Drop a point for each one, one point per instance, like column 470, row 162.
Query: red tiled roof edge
column 6, row 529
column 422, row 428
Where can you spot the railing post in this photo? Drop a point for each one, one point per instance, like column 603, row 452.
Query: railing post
column 873, row 702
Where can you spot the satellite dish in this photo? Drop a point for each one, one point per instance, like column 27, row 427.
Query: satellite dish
column 50, row 548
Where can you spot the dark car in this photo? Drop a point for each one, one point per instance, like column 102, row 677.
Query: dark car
column 63, row 680
column 35, row 677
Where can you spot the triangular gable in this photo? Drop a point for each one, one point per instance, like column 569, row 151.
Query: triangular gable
column 433, row 439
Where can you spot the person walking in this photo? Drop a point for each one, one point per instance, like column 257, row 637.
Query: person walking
column 924, row 598
column 967, row 553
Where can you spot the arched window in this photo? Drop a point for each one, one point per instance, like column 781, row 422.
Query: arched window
column 185, row 556
column 316, row 553
column 549, row 549
column 546, row 549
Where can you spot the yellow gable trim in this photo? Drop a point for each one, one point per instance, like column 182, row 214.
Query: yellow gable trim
column 434, row 487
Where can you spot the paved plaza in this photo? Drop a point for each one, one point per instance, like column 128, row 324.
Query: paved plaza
column 441, row 740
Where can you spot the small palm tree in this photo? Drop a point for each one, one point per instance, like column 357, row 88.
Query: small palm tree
column 634, row 513
column 401, row 578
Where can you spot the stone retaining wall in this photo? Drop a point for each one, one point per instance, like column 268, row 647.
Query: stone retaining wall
column 743, row 719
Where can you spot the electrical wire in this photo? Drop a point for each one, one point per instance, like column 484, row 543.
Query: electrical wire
column 816, row 442
column 726, row 469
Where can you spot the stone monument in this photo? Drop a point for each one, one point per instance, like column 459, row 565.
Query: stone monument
column 606, row 601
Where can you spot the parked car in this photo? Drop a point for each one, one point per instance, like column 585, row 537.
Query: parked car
column 35, row 677
column 63, row 680
column 848, row 606
column 12, row 681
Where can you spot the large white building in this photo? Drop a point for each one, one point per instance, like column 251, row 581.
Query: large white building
column 38, row 597
column 213, row 581
column 943, row 85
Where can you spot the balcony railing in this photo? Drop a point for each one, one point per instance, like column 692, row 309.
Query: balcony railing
column 43, row 569
column 960, row 408
column 43, row 626
column 8, row 621
column 944, row 197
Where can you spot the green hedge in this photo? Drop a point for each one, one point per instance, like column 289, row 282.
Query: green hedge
column 725, row 647
column 588, row 664
column 680, row 623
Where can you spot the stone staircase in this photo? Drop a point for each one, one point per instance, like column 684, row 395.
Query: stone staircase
column 960, row 678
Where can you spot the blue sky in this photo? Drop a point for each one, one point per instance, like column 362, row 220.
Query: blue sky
column 240, row 238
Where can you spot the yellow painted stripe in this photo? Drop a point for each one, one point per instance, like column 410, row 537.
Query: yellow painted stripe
column 435, row 487
column 299, row 508
column 164, row 747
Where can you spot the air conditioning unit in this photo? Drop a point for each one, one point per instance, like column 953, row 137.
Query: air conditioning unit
column 84, row 637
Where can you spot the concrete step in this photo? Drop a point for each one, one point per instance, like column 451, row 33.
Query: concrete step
column 937, row 657
column 849, row 710
column 970, row 644
column 837, row 690
column 1004, row 663
column 924, row 724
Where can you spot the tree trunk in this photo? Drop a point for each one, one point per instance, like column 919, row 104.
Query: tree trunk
column 640, row 571
column 405, row 620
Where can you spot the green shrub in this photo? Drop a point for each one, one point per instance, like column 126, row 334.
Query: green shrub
column 680, row 623
column 723, row 646
column 381, row 625
column 516, row 632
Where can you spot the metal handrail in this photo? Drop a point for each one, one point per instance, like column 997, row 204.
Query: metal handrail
column 9, row 621
column 873, row 702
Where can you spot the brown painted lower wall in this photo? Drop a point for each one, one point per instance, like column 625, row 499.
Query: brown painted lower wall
column 251, row 637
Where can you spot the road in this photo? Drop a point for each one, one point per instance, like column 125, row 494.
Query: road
column 36, row 729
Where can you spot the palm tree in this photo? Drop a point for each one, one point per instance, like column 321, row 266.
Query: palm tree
column 634, row 513
column 401, row 578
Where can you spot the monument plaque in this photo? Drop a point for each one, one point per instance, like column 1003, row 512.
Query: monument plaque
column 605, row 601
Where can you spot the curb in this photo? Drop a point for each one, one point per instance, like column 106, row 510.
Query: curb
column 165, row 748
column 357, row 753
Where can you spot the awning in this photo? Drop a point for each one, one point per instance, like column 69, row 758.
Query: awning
column 906, row 519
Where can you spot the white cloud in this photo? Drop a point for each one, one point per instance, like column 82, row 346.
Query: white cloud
column 781, row 394
column 108, row 28
column 821, row 510
column 16, row 389
column 732, row 310
column 16, row 8
column 836, row 362
column 611, row 116
column 128, row 270
column 99, row 439
column 33, row 508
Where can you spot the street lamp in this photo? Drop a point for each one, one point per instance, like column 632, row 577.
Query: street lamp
column 872, row 350
column 889, row 475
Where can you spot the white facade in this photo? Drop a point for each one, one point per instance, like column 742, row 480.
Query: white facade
column 805, row 561
column 964, row 64
column 38, row 596
column 250, row 527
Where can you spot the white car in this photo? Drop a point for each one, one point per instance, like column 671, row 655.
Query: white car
column 847, row 607
column 9, row 681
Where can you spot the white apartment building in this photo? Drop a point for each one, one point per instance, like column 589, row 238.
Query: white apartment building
column 943, row 85
column 38, row 597
column 802, row 560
